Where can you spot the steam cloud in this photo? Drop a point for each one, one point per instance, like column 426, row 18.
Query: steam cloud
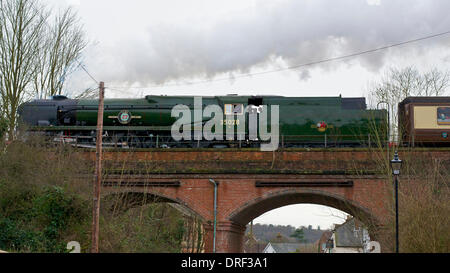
column 288, row 33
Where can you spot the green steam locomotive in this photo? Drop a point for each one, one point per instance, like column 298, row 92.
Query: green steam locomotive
column 147, row 122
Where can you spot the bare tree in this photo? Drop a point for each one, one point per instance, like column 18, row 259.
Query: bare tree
column 21, row 26
column 59, row 53
column 89, row 93
column 397, row 84
column 35, row 56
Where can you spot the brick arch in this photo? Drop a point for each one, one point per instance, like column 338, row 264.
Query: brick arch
column 148, row 197
column 279, row 198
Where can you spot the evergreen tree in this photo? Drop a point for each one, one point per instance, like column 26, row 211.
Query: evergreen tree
column 298, row 233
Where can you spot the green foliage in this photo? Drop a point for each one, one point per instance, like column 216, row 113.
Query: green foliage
column 44, row 205
column 53, row 210
column 13, row 237
column 268, row 232
column 298, row 234
column 39, row 222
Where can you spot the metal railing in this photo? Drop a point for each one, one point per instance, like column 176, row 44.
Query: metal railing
column 165, row 141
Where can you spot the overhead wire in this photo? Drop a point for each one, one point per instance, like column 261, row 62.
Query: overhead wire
column 87, row 72
column 290, row 67
column 79, row 63
column 268, row 71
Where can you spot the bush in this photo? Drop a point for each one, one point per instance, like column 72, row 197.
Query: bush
column 14, row 238
column 39, row 226
column 44, row 204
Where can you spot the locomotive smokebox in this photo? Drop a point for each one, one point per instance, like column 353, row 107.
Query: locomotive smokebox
column 58, row 111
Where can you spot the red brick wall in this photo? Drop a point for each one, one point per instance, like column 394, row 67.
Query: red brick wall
column 239, row 201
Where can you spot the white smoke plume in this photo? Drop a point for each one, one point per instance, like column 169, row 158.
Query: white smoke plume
column 276, row 34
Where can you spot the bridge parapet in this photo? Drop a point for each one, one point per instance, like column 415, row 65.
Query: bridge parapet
column 289, row 161
column 244, row 161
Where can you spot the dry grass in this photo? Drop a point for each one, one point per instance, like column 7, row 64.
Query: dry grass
column 424, row 207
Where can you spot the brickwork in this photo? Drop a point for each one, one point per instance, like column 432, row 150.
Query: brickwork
column 239, row 199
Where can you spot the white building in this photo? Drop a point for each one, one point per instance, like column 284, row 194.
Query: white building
column 349, row 237
column 282, row 248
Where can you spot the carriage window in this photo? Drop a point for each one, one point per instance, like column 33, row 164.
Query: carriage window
column 443, row 115
column 234, row 109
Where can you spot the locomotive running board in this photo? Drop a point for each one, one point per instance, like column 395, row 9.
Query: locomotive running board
column 304, row 184
column 141, row 184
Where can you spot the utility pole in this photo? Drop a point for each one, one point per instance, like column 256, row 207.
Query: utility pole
column 98, row 171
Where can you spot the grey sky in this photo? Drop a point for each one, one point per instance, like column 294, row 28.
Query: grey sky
column 157, row 43
column 158, row 47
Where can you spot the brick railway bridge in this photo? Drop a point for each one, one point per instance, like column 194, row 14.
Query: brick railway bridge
column 251, row 182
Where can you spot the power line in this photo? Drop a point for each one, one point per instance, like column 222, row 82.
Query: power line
column 89, row 74
column 79, row 63
column 294, row 66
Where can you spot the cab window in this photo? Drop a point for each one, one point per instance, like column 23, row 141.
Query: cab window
column 234, row 109
column 443, row 115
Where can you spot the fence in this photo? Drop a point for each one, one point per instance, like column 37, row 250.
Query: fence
column 165, row 141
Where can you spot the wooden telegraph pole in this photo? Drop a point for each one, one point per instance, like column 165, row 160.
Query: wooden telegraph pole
column 98, row 171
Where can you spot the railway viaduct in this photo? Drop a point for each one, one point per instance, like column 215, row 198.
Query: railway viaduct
column 251, row 182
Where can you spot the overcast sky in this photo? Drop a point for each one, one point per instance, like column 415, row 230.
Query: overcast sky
column 158, row 47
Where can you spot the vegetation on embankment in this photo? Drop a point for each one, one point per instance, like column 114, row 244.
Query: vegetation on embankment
column 424, row 193
column 424, row 206
column 43, row 206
